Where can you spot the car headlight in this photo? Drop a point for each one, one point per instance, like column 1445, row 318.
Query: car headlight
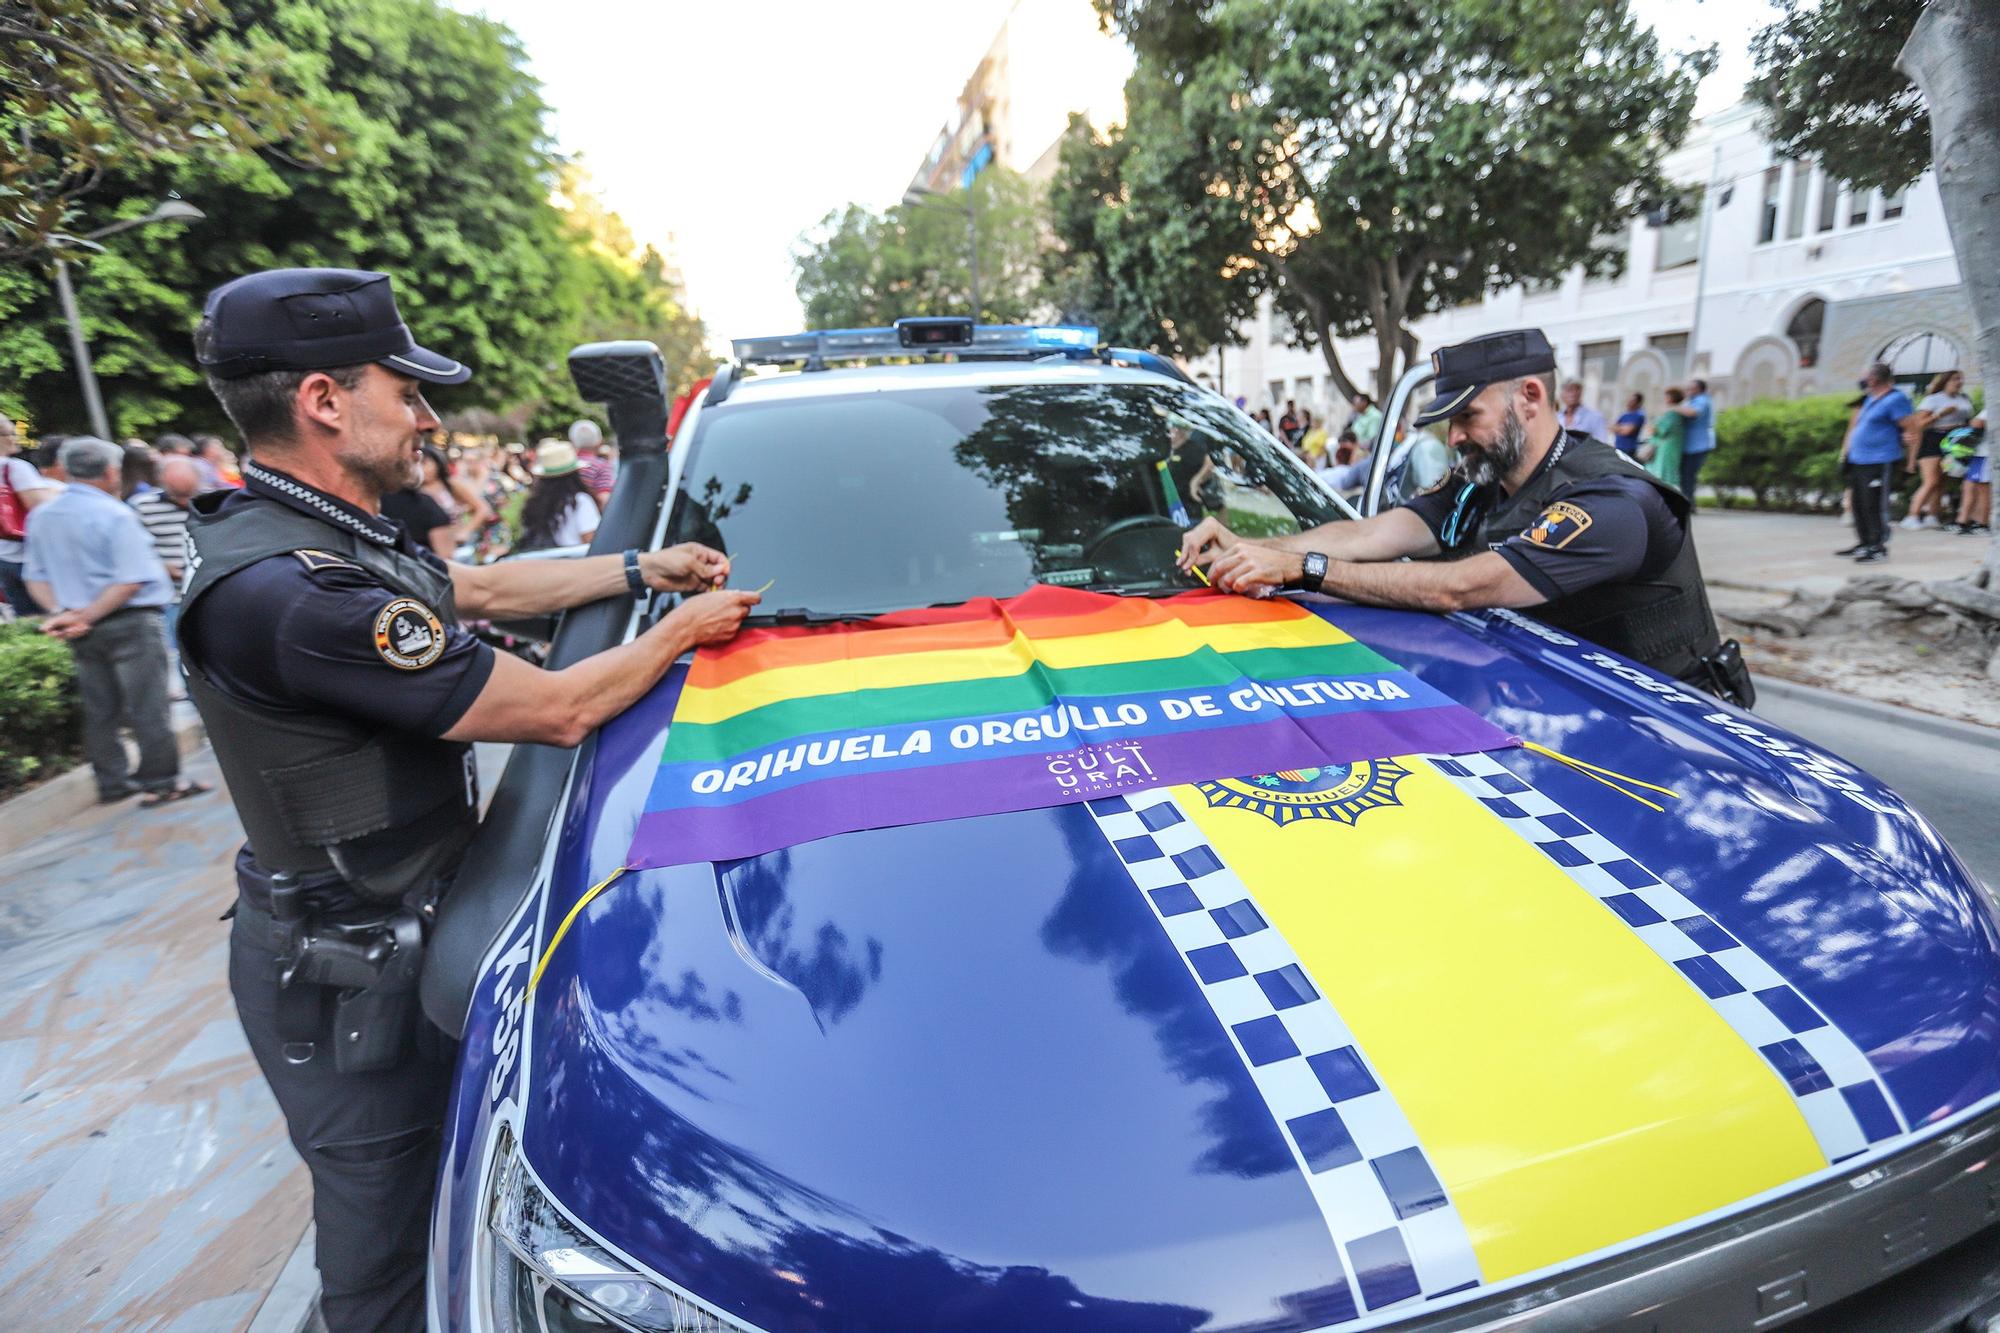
column 546, row 1276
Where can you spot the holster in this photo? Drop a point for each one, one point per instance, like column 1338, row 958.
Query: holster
column 368, row 958
column 1726, row 675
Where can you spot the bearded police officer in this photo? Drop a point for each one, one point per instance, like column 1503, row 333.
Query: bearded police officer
column 324, row 650
column 1534, row 517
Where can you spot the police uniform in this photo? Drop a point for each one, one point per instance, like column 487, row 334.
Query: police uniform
column 1606, row 543
column 325, row 656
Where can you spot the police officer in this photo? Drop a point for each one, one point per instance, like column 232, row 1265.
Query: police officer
column 324, row 649
column 1534, row 517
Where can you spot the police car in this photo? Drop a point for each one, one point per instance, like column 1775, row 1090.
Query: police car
column 1662, row 1018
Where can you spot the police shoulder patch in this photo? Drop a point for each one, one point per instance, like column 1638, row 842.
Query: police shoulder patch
column 408, row 635
column 318, row 560
column 1559, row 525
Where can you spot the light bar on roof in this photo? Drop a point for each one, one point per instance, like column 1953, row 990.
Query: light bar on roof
column 825, row 345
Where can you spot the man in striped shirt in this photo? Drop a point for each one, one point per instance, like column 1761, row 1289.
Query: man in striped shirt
column 164, row 511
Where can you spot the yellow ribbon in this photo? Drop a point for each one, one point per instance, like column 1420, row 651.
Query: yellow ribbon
column 1609, row 777
column 534, row 978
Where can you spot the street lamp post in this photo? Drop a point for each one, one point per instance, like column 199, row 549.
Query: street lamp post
column 173, row 210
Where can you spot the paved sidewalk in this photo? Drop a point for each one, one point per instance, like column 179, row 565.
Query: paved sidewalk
column 1744, row 548
column 147, row 1182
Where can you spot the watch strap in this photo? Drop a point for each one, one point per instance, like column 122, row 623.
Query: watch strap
column 634, row 579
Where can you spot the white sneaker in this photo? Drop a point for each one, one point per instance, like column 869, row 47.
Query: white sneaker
column 1911, row 523
column 1930, row 521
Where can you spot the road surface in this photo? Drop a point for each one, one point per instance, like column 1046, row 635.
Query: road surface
column 1954, row 780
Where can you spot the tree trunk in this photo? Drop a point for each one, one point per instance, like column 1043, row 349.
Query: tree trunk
column 1953, row 56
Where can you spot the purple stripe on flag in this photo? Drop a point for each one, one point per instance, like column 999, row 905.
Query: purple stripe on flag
column 845, row 804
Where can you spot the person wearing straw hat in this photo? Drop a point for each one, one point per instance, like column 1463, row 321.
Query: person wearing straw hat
column 341, row 692
column 1536, row 518
column 559, row 510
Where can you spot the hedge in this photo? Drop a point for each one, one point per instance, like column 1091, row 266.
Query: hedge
column 40, row 716
column 1784, row 451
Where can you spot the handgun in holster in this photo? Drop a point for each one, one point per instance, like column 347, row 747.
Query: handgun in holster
column 370, row 958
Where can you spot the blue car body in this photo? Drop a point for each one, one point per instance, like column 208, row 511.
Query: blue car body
column 960, row 1075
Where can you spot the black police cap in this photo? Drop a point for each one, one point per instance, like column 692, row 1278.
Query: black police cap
column 1463, row 369
column 313, row 319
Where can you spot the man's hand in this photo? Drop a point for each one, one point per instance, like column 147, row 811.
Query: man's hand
column 68, row 626
column 712, row 617
column 1255, row 570
column 1203, row 542
column 688, row 567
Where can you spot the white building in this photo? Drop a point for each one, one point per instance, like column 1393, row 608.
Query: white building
column 1805, row 282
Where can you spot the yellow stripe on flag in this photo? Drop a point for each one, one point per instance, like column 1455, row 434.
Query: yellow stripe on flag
column 942, row 666
column 1571, row 1088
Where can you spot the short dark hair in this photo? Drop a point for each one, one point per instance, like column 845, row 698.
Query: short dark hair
column 261, row 404
column 139, row 465
column 1700, row 386
column 172, row 443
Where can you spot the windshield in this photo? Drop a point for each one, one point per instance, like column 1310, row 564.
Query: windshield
column 884, row 500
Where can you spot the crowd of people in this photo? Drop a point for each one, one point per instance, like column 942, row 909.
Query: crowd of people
column 1343, row 457
column 106, row 577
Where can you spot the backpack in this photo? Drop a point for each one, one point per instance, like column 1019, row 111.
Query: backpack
column 13, row 514
column 1958, row 448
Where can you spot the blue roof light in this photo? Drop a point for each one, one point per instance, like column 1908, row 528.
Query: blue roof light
column 820, row 346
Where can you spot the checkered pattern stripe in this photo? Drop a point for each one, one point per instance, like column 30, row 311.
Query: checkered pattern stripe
column 1398, row 1231
column 1843, row 1099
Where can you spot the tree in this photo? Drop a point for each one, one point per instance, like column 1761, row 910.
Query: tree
column 88, row 89
column 861, row 269
column 1145, row 251
column 1830, row 90
column 444, row 181
column 1372, row 161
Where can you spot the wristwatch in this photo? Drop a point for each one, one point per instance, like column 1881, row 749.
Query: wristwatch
column 636, row 581
column 1312, row 574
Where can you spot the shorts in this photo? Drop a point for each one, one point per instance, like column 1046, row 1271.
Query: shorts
column 1932, row 444
column 1975, row 469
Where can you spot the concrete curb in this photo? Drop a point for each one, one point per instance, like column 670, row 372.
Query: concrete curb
column 1970, row 733
column 25, row 817
column 293, row 1305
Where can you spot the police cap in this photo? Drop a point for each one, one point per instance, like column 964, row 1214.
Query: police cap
column 313, row 319
column 1463, row 369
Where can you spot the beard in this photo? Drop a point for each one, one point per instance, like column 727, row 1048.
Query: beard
column 1486, row 463
column 384, row 475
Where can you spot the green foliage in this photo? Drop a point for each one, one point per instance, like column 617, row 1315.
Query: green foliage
column 1370, row 161
column 1784, row 451
column 88, row 89
column 863, row 269
column 1830, row 90
column 40, row 716
column 443, row 179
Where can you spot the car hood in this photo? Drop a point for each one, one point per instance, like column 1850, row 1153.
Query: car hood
column 1273, row 1054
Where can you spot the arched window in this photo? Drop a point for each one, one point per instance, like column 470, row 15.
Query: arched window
column 1915, row 357
column 1804, row 331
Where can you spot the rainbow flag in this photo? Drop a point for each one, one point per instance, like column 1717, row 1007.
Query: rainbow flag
column 785, row 735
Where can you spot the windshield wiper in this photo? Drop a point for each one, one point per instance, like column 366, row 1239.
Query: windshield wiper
column 805, row 615
column 1143, row 588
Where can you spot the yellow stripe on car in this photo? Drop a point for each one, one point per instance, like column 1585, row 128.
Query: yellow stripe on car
column 1571, row 1088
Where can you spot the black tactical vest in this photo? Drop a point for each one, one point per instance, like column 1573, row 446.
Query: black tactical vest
column 321, row 794
column 1659, row 617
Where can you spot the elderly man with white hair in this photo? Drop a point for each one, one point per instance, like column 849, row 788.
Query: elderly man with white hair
column 600, row 470
column 91, row 562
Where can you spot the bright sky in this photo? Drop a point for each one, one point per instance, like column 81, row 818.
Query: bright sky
column 730, row 128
